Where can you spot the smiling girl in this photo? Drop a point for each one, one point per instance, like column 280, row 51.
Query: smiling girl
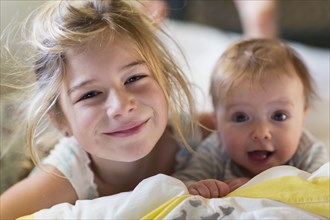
column 107, row 83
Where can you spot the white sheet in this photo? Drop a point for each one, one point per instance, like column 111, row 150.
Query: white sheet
column 158, row 190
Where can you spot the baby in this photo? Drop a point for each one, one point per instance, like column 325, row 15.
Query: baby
column 261, row 91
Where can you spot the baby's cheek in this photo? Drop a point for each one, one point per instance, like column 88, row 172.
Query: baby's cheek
column 232, row 143
column 286, row 147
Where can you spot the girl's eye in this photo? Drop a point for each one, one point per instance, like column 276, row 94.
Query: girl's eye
column 134, row 78
column 240, row 117
column 279, row 116
column 89, row 95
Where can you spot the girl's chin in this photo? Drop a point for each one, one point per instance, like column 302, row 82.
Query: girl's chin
column 122, row 157
column 133, row 157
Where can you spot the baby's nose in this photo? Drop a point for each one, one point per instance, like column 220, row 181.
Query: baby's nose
column 261, row 132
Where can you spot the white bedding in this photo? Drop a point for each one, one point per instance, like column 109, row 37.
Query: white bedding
column 282, row 192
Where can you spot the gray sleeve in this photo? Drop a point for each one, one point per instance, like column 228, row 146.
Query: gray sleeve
column 311, row 153
column 203, row 164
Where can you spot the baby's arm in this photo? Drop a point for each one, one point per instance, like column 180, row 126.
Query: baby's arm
column 209, row 188
column 38, row 191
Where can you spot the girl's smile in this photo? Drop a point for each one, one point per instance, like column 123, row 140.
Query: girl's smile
column 128, row 129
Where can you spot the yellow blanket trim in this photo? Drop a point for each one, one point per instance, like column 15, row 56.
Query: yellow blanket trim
column 313, row 195
column 163, row 210
column 27, row 217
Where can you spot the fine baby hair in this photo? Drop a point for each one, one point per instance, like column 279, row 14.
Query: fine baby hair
column 59, row 26
column 255, row 60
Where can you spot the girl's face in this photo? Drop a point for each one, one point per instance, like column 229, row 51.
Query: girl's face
column 113, row 105
column 260, row 126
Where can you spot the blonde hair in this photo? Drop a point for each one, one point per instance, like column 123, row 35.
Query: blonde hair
column 255, row 60
column 58, row 26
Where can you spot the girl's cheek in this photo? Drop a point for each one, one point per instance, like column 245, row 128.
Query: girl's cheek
column 85, row 117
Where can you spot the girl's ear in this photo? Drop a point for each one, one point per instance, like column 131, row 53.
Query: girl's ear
column 59, row 121
column 306, row 110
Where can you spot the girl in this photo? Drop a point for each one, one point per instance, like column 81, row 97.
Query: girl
column 107, row 83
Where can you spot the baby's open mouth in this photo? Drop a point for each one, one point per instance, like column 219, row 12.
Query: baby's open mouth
column 260, row 155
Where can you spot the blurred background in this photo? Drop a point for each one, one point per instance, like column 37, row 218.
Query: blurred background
column 305, row 21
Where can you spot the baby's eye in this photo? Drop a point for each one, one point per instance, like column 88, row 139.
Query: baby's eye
column 134, row 78
column 89, row 95
column 240, row 117
column 279, row 116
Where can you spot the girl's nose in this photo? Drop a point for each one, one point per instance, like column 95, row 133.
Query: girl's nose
column 261, row 132
column 120, row 103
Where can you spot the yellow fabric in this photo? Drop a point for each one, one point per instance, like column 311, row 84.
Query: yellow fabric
column 27, row 217
column 164, row 209
column 312, row 195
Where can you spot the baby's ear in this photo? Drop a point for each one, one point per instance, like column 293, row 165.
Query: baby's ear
column 59, row 121
column 207, row 120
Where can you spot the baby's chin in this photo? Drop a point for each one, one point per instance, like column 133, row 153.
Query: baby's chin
column 252, row 170
column 259, row 169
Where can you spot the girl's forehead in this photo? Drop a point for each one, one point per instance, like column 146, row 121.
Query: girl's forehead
column 104, row 43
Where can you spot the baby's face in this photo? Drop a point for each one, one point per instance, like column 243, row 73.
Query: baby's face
column 261, row 125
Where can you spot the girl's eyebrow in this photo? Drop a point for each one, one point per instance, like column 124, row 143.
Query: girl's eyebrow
column 134, row 63
column 79, row 86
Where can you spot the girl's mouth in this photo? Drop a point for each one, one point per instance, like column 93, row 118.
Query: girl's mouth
column 129, row 131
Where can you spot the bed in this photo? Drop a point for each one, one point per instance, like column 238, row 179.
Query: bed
column 281, row 192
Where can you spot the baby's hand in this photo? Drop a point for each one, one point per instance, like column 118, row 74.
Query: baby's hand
column 209, row 188
column 234, row 183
